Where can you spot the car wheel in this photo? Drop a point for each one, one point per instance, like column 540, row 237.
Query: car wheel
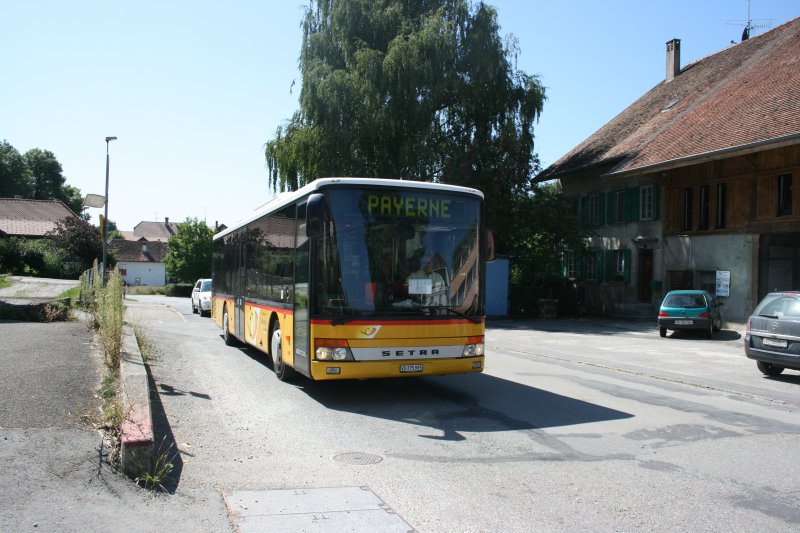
column 194, row 309
column 281, row 369
column 226, row 334
column 710, row 331
column 769, row 369
column 662, row 332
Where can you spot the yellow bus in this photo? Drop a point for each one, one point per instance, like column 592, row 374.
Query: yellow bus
column 358, row 278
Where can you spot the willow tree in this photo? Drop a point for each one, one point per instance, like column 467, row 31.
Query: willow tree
column 412, row 89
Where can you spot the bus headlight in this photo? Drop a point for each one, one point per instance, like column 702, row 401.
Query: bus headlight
column 333, row 350
column 474, row 347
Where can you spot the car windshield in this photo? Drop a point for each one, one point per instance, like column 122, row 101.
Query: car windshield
column 779, row 306
column 397, row 253
column 686, row 301
column 206, row 286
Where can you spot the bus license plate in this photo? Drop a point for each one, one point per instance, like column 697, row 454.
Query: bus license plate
column 410, row 368
column 684, row 322
column 777, row 343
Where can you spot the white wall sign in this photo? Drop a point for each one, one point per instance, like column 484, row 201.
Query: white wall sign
column 723, row 283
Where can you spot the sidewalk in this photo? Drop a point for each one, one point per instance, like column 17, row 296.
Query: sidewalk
column 56, row 475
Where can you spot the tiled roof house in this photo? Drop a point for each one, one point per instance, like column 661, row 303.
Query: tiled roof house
column 31, row 219
column 151, row 231
column 141, row 262
column 693, row 185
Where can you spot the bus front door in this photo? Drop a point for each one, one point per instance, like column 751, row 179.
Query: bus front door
column 301, row 284
column 238, row 313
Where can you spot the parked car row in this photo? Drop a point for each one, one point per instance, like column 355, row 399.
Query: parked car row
column 772, row 337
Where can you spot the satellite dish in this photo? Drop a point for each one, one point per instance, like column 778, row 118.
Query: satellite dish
column 94, row 200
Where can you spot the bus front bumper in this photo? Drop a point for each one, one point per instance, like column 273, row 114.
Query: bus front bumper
column 321, row 370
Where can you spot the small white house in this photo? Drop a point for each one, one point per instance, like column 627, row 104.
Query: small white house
column 141, row 262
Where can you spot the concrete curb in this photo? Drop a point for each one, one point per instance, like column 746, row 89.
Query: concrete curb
column 137, row 449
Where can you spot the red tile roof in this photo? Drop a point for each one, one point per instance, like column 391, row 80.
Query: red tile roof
column 745, row 96
column 138, row 252
column 31, row 218
column 153, row 231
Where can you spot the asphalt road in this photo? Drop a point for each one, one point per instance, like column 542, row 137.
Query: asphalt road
column 574, row 426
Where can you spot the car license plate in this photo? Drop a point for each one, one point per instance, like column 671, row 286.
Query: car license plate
column 410, row 368
column 684, row 322
column 777, row 343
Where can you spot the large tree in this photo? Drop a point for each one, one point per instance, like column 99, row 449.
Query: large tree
column 189, row 252
column 14, row 176
column 419, row 89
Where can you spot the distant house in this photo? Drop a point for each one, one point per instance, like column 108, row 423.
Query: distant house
column 151, row 231
column 31, row 219
column 693, row 185
column 141, row 263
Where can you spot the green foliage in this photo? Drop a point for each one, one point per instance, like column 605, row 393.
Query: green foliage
column 417, row 90
column 189, row 252
column 109, row 314
column 546, row 227
column 79, row 243
column 179, row 289
column 160, row 469
column 36, row 175
column 14, row 176
column 4, row 282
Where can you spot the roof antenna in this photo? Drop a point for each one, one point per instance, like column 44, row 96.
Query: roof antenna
column 748, row 24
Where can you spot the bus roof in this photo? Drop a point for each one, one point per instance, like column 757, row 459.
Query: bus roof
column 283, row 199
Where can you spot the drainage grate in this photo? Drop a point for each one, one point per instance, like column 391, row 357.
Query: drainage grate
column 358, row 458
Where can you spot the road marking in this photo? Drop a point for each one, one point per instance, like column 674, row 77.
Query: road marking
column 319, row 509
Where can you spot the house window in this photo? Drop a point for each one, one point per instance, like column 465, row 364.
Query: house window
column 646, row 202
column 784, row 195
column 708, row 281
column 618, row 263
column 594, row 210
column 569, row 259
column 703, row 207
column 687, row 208
column 722, row 204
column 592, row 266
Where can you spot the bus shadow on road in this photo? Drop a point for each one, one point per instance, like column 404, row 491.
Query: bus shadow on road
column 455, row 405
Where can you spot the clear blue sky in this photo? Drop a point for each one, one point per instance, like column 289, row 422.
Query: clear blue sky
column 193, row 90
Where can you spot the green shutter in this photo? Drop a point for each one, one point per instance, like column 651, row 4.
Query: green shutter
column 600, row 266
column 601, row 208
column 580, row 268
column 608, row 275
column 626, row 257
column 632, row 204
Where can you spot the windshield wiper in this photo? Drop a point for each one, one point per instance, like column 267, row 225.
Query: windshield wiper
column 770, row 316
column 472, row 319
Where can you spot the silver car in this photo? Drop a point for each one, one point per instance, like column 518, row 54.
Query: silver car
column 773, row 333
column 201, row 297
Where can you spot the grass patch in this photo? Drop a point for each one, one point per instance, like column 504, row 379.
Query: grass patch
column 146, row 348
column 160, row 469
column 4, row 282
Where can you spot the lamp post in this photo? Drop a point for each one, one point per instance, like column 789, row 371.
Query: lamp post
column 104, row 225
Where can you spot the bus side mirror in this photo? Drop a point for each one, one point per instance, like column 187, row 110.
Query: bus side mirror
column 315, row 215
column 490, row 252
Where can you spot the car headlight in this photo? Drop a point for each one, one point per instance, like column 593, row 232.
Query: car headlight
column 474, row 347
column 333, row 350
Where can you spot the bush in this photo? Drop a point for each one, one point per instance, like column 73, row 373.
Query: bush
column 179, row 289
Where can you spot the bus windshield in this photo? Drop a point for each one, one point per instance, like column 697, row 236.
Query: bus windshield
column 388, row 252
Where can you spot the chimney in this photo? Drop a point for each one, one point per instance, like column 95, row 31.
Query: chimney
column 673, row 58
column 166, row 221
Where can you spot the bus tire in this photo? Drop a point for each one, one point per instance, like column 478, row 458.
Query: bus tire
column 282, row 371
column 226, row 334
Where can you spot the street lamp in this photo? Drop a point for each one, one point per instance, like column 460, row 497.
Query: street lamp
column 104, row 224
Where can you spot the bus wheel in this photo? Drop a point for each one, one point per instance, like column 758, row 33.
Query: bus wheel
column 226, row 334
column 282, row 371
